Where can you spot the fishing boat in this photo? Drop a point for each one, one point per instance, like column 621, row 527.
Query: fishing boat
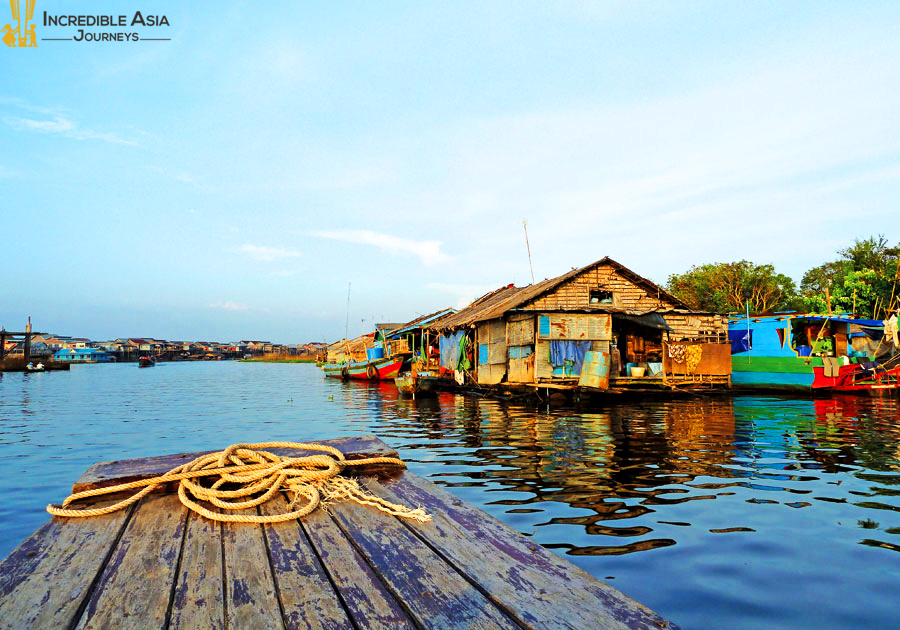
column 146, row 362
column 415, row 383
column 368, row 357
column 381, row 369
column 812, row 353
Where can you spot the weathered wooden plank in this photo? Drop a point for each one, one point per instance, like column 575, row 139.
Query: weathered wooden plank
column 539, row 589
column 199, row 600
column 46, row 578
column 250, row 600
column 307, row 597
column 367, row 600
column 136, row 585
column 431, row 590
column 103, row 474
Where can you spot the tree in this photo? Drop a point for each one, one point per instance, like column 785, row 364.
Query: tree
column 729, row 287
column 863, row 280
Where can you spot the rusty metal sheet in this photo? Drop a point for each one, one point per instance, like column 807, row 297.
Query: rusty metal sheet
column 715, row 360
column 575, row 326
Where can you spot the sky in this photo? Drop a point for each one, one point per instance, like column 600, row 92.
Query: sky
column 240, row 179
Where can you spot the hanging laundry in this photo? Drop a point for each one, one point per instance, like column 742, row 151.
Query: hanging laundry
column 676, row 352
column 569, row 354
column 890, row 330
column 693, row 354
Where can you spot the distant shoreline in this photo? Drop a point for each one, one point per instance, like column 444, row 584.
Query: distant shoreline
column 263, row 360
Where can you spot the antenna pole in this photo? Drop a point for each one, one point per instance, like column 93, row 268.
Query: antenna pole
column 525, row 227
column 347, row 322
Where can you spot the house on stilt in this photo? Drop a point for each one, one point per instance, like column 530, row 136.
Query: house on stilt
column 538, row 335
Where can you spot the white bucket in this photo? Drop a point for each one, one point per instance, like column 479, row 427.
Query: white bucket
column 637, row 372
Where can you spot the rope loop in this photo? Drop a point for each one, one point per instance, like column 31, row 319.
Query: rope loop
column 259, row 475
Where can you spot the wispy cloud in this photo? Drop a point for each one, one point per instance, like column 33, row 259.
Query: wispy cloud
column 178, row 176
column 228, row 305
column 284, row 273
column 462, row 294
column 63, row 125
column 429, row 252
column 264, row 253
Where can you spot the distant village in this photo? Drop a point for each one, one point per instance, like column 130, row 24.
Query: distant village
column 64, row 348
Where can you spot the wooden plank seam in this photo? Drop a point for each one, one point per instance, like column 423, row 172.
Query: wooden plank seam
column 89, row 592
column 384, row 583
column 491, row 598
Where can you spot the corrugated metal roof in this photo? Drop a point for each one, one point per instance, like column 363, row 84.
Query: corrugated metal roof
column 420, row 322
column 504, row 299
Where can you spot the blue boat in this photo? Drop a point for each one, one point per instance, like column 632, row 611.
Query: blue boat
column 809, row 352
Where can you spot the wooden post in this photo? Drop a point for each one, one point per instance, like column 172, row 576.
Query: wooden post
column 27, row 350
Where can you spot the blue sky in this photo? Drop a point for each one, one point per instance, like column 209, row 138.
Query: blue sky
column 231, row 182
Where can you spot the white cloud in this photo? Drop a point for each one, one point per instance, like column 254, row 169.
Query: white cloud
column 228, row 305
column 463, row 294
column 64, row 126
column 265, row 253
column 429, row 252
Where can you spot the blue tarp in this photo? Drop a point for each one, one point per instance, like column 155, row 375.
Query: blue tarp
column 568, row 353
column 740, row 340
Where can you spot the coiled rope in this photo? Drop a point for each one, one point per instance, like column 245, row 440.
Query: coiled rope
column 258, row 472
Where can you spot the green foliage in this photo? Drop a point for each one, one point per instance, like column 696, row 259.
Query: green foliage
column 728, row 287
column 864, row 278
column 861, row 280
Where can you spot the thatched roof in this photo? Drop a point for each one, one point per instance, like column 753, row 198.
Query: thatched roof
column 496, row 303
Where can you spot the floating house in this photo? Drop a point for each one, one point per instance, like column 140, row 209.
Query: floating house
column 540, row 334
column 83, row 355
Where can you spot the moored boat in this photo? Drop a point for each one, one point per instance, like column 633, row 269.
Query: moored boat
column 811, row 353
column 412, row 383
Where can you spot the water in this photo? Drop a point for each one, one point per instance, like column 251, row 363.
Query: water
column 726, row 513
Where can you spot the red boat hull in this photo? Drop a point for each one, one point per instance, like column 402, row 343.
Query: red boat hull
column 378, row 370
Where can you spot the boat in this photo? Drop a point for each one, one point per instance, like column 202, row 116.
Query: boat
column 364, row 358
column 812, row 353
column 412, row 383
column 31, row 368
column 146, row 362
column 381, row 369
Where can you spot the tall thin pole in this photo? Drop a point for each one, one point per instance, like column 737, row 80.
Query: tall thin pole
column 749, row 339
column 347, row 322
column 525, row 227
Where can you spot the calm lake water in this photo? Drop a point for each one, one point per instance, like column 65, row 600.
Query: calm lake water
column 751, row 512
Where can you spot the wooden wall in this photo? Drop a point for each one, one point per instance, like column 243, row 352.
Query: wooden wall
column 491, row 355
column 686, row 326
column 575, row 293
column 520, row 342
column 597, row 328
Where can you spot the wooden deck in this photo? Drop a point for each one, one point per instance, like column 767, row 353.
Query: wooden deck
column 155, row 565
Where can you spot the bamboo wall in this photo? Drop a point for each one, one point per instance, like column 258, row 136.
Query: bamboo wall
column 575, row 293
column 687, row 326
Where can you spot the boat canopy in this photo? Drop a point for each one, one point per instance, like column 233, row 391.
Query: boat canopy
column 868, row 323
